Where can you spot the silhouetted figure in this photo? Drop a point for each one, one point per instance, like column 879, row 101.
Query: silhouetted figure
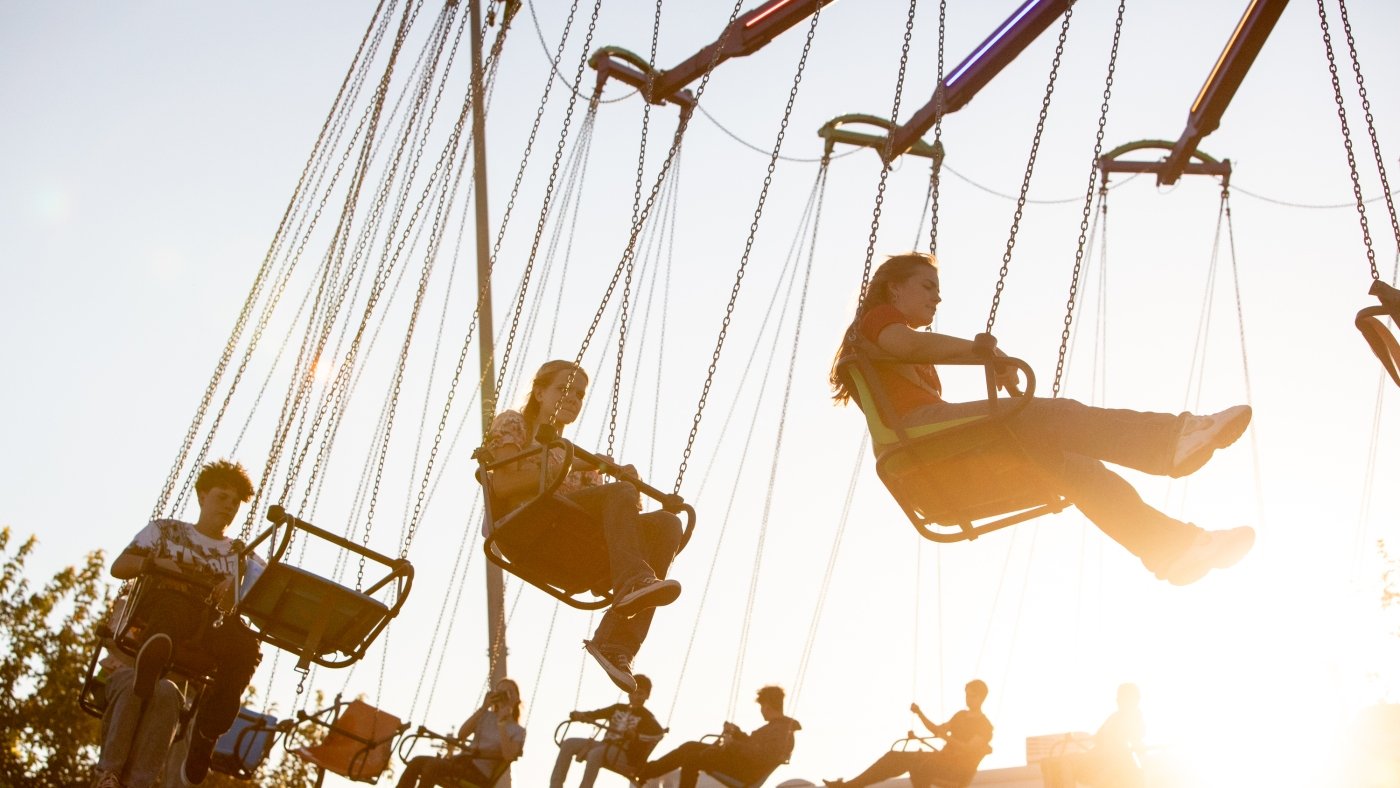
column 745, row 756
column 1112, row 760
column 967, row 740
column 632, row 732
column 497, row 738
column 1070, row 441
column 176, row 620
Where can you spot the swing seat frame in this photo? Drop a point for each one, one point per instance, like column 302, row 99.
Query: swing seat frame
column 245, row 745
column 957, row 479
column 930, row 744
column 1370, row 322
column 550, row 542
column 647, row 745
column 311, row 616
column 358, row 742
column 464, row 747
column 729, row 780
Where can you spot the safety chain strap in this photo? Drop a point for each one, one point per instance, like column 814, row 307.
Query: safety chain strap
column 1370, row 124
column 748, row 249
column 549, row 186
column 886, row 155
column 1073, row 298
column 1346, row 142
column 1030, row 168
column 936, row 166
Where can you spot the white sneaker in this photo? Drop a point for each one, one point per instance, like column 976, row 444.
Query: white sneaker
column 644, row 594
column 1202, row 435
column 1210, row 550
column 615, row 662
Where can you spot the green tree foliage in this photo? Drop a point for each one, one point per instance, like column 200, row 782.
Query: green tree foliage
column 45, row 639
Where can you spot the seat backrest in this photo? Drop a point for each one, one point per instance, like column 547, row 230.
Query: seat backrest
column 885, row 429
column 289, row 603
column 244, row 746
column 358, row 744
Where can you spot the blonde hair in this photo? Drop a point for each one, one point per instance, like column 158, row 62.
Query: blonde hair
column 543, row 377
column 895, row 270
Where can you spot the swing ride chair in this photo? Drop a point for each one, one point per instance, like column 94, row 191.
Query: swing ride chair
column 551, row 543
column 452, row 746
column 245, row 745
column 1369, row 322
column 734, row 782
column 311, row 616
column 127, row 633
column 358, row 740
column 961, row 478
column 930, row 744
column 645, row 748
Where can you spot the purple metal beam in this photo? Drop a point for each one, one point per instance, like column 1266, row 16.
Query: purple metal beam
column 1234, row 62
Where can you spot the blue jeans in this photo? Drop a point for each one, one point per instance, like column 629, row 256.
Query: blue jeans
column 1071, row 441
column 135, row 739
column 639, row 546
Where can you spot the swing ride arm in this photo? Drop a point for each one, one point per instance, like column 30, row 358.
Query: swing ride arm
column 748, row 33
column 958, row 88
column 986, row 61
column 1198, row 163
column 1225, row 77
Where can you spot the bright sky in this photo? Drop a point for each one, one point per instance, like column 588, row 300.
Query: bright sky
column 152, row 150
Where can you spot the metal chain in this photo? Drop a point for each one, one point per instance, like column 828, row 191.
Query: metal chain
column 886, row 156
column 624, row 307
column 1072, row 300
column 748, row 249
column 936, row 166
column 1346, row 142
column 1370, row 122
column 1030, row 168
column 549, row 186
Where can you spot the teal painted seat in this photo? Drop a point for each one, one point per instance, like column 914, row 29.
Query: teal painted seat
column 245, row 745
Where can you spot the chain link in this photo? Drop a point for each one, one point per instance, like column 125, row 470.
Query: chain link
column 1370, row 128
column 936, row 165
column 1346, row 141
column 748, row 249
column 549, row 189
column 886, row 155
column 1072, row 300
column 1030, row 168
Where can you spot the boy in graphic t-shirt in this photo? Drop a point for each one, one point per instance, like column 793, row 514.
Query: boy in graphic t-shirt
column 174, row 619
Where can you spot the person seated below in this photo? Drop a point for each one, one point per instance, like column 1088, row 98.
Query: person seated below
column 632, row 732
column 136, row 731
column 176, row 620
column 967, row 737
column 1070, row 441
column 1112, row 761
column 745, row 756
column 497, row 738
column 640, row 546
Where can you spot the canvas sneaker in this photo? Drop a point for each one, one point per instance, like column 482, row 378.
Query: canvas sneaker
column 1202, row 435
column 1210, row 550
column 151, row 662
column 615, row 662
column 646, row 593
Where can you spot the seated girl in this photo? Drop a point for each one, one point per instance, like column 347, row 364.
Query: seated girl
column 1069, row 440
column 640, row 546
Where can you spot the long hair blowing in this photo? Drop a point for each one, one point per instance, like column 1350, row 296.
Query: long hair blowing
column 893, row 271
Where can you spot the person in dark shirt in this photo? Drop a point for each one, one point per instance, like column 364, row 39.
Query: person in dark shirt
column 1068, row 440
column 632, row 732
column 967, row 740
column 744, row 756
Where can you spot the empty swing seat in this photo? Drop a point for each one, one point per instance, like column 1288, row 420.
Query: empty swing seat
column 358, row 742
column 313, row 617
column 961, row 478
column 1370, row 323
column 550, row 542
column 245, row 745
